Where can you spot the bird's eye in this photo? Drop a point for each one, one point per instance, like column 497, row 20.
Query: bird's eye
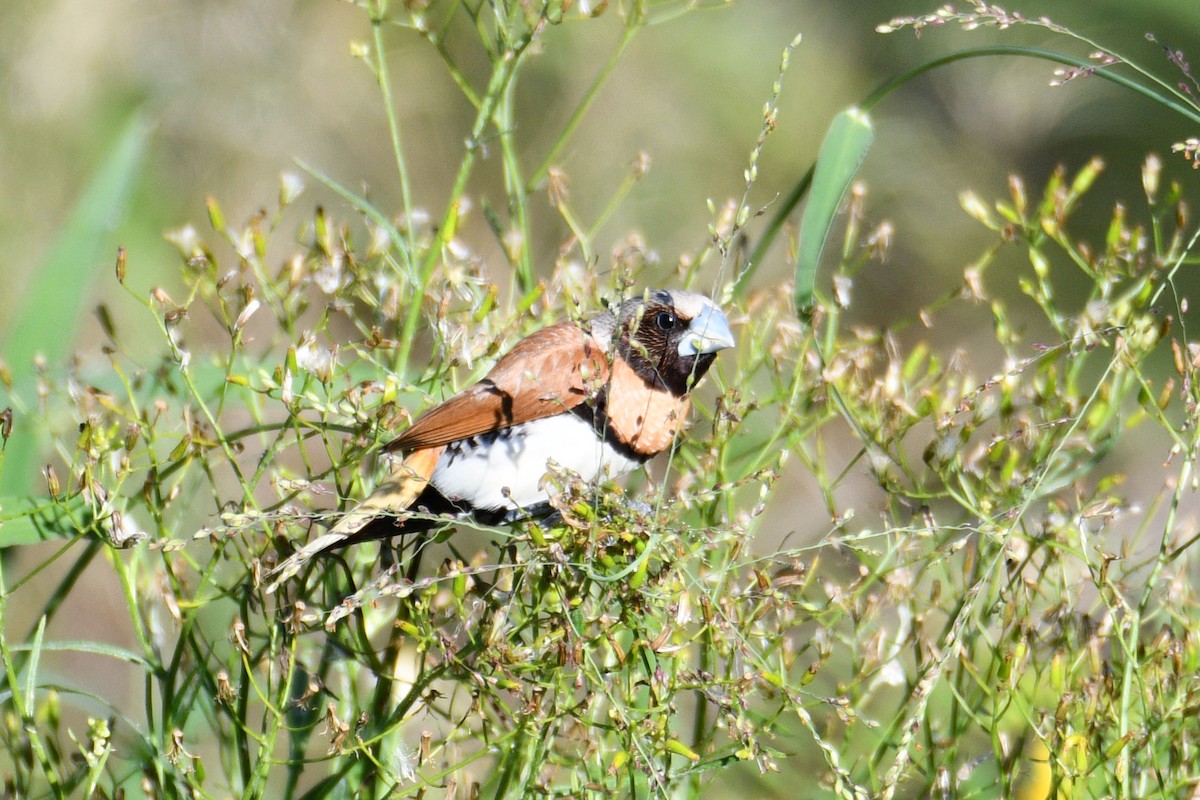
column 665, row 320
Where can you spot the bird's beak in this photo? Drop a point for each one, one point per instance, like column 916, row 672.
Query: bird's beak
column 708, row 332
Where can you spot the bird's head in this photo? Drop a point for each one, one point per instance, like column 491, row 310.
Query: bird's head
column 670, row 337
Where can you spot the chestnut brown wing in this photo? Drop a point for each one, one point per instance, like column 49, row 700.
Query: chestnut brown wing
column 551, row 371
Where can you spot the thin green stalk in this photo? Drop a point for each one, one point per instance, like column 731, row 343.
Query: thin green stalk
column 276, row 724
column 241, row 742
column 196, row 397
column 149, row 651
column 512, row 760
column 436, row 780
column 633, row 24
column 514, row 186
column 65, row 586
column 59, row 553
column 631, row 179
column 439, row 42
column 501, row 75
column 378, row 18
column 1132, row 668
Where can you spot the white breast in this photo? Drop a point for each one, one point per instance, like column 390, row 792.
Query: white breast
column 479, row 469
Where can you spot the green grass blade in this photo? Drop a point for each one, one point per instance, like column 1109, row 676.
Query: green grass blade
column 365, row 207
column 48, row 314
column 842, row 153
column 35, row 658
column 84, row 646
column 29, row 520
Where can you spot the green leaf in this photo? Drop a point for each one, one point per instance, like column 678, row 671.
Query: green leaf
column 842, row 153
column 28, row 520
column 46, row 318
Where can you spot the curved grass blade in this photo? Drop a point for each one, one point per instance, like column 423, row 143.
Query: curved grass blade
column 35, row 659
column 842, row 153
column 365, row 207
column 48, row 314
column 84, row 646
column 1151, row 89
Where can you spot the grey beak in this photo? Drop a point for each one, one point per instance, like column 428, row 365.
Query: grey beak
column 708, row 332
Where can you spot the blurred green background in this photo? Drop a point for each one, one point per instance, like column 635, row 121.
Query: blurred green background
column 236, row 91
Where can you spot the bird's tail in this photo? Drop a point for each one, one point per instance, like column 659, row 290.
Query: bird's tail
column 392, row 497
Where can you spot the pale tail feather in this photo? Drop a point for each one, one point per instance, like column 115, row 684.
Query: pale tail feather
column 393, row 496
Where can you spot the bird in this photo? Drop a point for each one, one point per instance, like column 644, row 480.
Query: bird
column 598, row 397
